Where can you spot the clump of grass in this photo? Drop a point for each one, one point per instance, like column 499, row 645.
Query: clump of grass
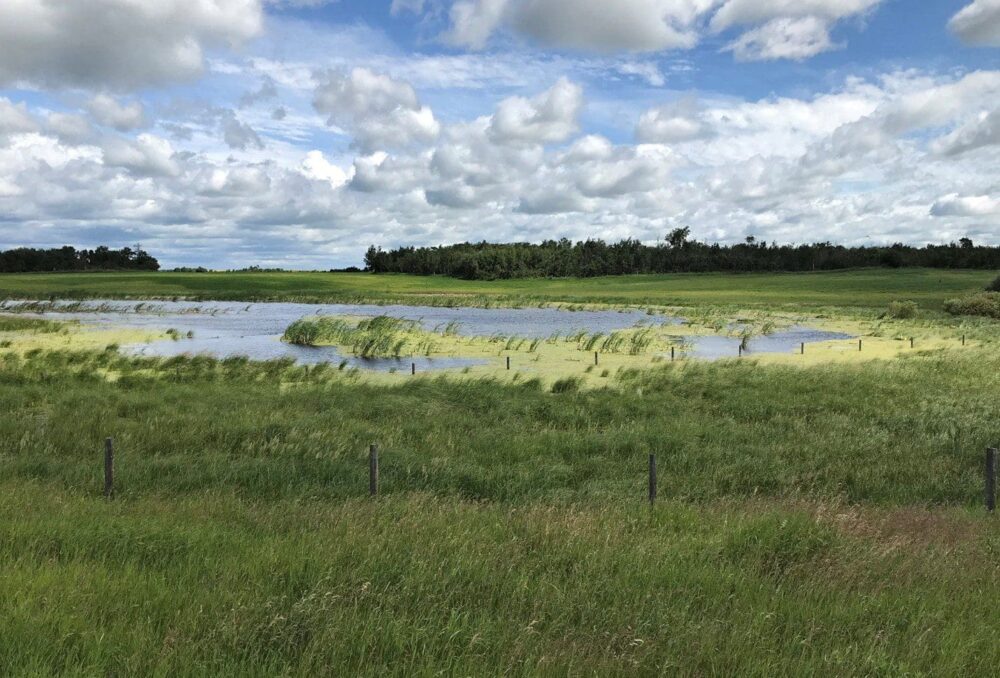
column 986, row 304
column 12, row 323
column 379, row 337
column 902, row 310
column 567, row 385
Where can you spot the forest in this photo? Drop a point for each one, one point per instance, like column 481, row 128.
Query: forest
column 678, row 253
column 30, row 260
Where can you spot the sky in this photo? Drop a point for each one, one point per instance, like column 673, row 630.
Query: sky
column 297, row 133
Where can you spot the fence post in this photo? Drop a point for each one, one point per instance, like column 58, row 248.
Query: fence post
column 413, row 368
column 595, row 357
column 109, row 468
column 911, row 342
column 671, row 354
column 991, row 479
column 963, row 340
column 508, row 362
column 802, row 348
column 373, row 471
column 859, row 345
column 740, row 350
column 652, row 479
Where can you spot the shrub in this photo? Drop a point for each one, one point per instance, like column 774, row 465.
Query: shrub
column 902, row 310
column 994, row 286
column 984, row 304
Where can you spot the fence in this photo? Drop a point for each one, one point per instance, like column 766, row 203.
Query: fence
column 990, row 474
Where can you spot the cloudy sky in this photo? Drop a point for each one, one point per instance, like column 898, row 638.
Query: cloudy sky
column 295, row 133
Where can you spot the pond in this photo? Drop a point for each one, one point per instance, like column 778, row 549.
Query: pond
column 254, row 330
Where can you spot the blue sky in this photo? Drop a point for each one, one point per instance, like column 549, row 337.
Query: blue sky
column 296, row 133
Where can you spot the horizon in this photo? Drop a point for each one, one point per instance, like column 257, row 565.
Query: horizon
column 294, row 134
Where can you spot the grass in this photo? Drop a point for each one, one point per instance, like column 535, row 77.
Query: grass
column 866, row 288
column 813, row 520
column 813, row 517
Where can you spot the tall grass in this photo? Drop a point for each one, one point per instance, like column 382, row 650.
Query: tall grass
column 811, row 521
column 378, row 337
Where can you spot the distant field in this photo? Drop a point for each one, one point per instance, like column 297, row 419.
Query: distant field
column 856, row 288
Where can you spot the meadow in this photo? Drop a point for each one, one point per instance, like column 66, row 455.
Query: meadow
column 864, row 288
column 812, row 518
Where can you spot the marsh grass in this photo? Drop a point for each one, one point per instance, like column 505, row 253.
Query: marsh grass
column 379, row 337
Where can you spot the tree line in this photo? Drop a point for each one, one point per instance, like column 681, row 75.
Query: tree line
column 677, row 253
column 31, row 260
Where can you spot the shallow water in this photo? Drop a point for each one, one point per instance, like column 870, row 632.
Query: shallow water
column 254, row 330
column 716, row 347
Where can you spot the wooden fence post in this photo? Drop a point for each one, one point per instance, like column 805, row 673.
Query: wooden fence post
column 911, row 342
column 802, row 348
column 652, row 479
column 508, row 362
column 963, row 340
column 109, row 468
column 859, row 345
column 595, row 358
column 373, row 471
column 991, row 479
column 671, row 354
column 413, row 368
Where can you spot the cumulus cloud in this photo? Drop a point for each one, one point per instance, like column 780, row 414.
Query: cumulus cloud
column 955, row 205
column 15, row 118
column 675, row 122
column 147, row 155
column 237, row 134
column 783, row 29
column 107, row 111
column 978, row 23
column 117, row 44
column 783, row 38
column 984, row 130
column 549, row 117
column 378, row 110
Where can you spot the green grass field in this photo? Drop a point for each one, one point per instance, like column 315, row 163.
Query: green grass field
column 812, row 519
column 861, row 288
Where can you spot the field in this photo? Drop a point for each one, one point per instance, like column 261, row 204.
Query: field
column 861, row 288
column 812, row 518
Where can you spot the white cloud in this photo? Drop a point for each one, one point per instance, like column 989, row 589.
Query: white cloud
column 955, row 205
column 237, row 134
column 782, row 29
column 107, row 111
column 148, row 155
column 473, row 21
column 744, row 12
column 15, row 118
column 549, row 117
column 316, row 166
column 784, row 38
column 380, row 111
column 978, row 23
column 674, row 122
column 117, row 44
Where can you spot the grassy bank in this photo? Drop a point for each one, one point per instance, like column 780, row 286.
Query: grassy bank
column 867, row 288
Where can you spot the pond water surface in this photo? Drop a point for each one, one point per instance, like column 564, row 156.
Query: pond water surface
column 254, row 330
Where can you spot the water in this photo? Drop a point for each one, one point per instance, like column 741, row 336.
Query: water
column 254, row 330
column 716, row 347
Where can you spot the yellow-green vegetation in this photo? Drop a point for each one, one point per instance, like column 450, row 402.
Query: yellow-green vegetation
column 866, row 288
column 818, row 514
